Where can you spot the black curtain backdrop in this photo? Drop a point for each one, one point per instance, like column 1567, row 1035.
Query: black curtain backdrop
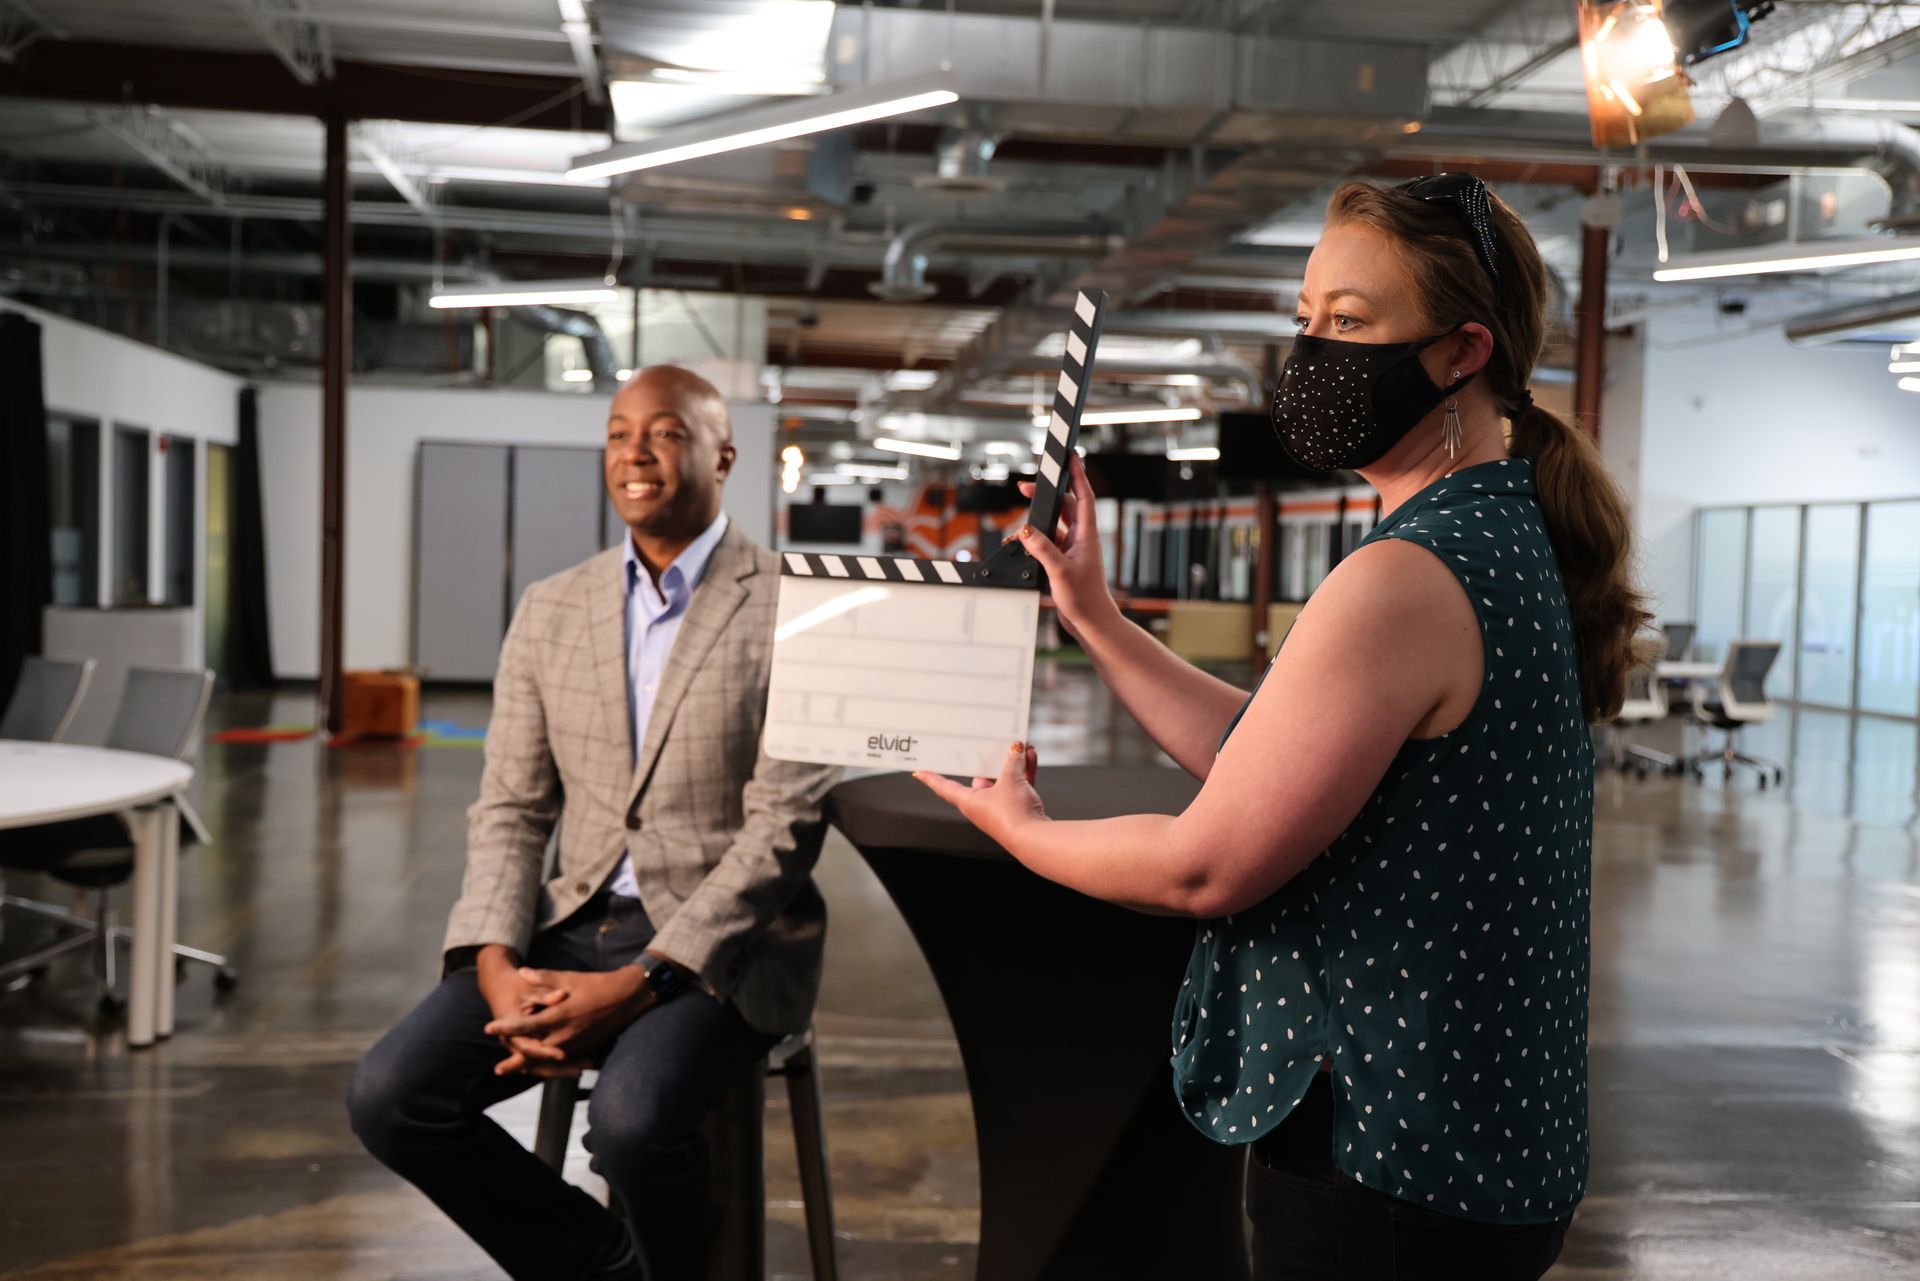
column 26, row 564
column 249, row 643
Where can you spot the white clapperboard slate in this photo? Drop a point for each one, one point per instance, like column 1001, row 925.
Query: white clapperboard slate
column 911, row 664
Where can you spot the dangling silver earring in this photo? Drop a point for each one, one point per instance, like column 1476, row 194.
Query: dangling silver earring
column 1450, row 428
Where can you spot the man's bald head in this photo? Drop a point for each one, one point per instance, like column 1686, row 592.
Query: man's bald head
column 699, row 402
column 669, row 450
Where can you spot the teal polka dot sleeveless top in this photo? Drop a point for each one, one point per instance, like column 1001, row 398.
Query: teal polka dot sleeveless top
column 1436, row 955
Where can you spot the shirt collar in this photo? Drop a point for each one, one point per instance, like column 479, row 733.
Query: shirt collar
column 681, row 577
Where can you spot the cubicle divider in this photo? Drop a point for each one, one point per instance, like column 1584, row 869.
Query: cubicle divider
column 489, row 522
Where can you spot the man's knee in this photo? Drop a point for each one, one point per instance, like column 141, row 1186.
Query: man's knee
column 378, row 1099
column 637, row 1135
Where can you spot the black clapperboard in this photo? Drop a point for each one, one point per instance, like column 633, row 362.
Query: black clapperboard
column 913, row 664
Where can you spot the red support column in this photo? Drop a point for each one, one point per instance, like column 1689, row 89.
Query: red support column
column 338, row 326
column 1590, row 350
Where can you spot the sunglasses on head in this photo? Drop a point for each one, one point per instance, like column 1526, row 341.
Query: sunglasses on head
column 1468, row 195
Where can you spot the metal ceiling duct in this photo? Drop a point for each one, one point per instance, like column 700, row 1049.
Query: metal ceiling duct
column 576, row 324
column 1139, row 82
column 960, row 162
column 903, row 273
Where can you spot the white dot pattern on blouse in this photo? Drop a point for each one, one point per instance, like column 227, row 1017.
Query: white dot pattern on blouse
column 1437, row 953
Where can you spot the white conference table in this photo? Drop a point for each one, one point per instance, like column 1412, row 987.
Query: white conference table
column 1679, row 671
column 54, row 782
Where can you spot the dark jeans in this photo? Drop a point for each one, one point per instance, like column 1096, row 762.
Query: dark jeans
column 417, row 1101
column 1313, row 1223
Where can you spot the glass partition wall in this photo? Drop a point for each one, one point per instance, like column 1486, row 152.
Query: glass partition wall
column 1837, row 584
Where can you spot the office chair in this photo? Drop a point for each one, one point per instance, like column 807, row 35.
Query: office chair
column 44, row 703
column 45, row 699
column 1741, row 699
column 1645, row 704
column 1679, row 641
column 160, row 713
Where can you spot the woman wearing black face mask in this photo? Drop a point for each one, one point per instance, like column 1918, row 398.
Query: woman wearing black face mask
column 1389, row 857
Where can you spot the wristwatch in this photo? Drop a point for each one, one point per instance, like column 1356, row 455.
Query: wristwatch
column 665, row 979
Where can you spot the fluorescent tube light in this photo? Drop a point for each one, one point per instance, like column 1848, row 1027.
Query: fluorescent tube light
column 1007, row 448
column 523, row 293
column 1197, row 454
column 1041, row 420
column 1806, row 256
column 1906, row 106
column 911, row 379
column 867, row 471
column 1910, row 384
column 1108, row 416
column 918, row 448
column 576, row 375
column 758, row 126
column 1904, row 367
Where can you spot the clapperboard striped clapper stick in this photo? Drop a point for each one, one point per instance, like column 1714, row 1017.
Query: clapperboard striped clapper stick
column 922, row 664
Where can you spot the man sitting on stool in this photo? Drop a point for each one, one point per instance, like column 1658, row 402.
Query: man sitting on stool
column 680, row 935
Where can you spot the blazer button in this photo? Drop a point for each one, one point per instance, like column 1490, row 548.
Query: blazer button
column 582, row 887
column 633, row 822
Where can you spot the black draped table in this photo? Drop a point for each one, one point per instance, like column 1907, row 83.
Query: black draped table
column 1062, row 1006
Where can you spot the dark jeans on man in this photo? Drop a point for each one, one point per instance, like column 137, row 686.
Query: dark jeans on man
column 1311, row 1222
column 417, row 1102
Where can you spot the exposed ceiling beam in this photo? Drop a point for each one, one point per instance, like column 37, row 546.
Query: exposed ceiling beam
column 286, row 27
column 1847, row 40
column 21, row 23
column 396, row 174
column 216, row 80
column 166, row 146
column 1510, row 47
column 579, row 33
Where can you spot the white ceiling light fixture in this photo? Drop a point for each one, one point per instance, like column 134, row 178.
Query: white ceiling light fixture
column 1006, row 448
column 918, row 448
column 523, row 293
column 1196, row 454
column 576, row 375
column 1107, row 417
column 758, row 126
column 911, row 379
column 1910, row 384
column 1904, row 367
column 1802, row 256
column 869, row 471
column 1897, row 106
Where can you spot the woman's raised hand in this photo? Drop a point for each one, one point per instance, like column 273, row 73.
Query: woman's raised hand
column 1071, row 557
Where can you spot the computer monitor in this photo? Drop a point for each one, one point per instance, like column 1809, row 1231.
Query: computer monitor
column 824, row 523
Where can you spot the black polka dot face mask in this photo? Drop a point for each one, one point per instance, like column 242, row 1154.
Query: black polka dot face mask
column 1342, row 405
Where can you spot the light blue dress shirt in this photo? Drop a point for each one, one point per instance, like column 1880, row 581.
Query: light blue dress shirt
column 653, row 621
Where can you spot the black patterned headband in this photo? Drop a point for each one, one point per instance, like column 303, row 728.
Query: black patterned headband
column 1467, row 194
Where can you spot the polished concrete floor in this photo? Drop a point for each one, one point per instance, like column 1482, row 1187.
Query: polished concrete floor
column 1755, row 1030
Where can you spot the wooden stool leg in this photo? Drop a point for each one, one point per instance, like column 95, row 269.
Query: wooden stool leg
column 810, row 1149
column 735, row 1143
column 557, row 1098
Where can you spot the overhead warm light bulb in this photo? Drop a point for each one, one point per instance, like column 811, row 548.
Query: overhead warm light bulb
column 1635, row 90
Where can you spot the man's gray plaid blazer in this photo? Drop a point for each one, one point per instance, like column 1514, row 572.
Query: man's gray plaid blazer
column 723, row 838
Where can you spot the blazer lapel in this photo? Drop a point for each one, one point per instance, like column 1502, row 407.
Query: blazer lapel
column 712, row 606
column 607, row 643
